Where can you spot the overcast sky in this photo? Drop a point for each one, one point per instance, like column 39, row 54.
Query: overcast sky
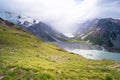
column 63, row 14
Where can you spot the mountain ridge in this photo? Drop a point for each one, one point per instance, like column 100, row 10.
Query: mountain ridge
column 36, row 27
column 104, row 32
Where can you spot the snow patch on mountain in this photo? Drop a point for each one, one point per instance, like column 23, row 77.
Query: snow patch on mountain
column 68, row 35
column 25, row 21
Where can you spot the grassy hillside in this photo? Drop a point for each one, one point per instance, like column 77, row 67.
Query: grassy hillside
column 25, row 57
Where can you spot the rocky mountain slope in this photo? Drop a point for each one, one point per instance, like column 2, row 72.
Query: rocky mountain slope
column 104, row 32
column 45, row 32
column 38, row 28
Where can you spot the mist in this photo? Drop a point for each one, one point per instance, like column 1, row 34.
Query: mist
column 63, row 15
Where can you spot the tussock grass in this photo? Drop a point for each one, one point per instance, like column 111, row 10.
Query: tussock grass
column 25, row 57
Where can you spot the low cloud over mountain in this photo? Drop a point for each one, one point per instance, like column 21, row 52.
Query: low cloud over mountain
column 63, row 14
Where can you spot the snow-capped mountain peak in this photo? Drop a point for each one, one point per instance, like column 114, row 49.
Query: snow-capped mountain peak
column 18, row 19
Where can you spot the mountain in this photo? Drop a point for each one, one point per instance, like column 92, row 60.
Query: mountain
column 18, row 19
column 38, row 28
column 26, row 57
column 104, row 32
column 45, row 32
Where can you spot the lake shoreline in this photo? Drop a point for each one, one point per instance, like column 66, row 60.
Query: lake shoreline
column 77, row 45
column 89, row 51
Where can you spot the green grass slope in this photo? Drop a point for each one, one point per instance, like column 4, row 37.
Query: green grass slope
column 25, row 57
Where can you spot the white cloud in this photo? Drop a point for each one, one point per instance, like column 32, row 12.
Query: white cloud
column 63, row 14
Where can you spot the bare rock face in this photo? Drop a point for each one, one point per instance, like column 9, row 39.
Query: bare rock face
column 45, row 32
column 103, row 32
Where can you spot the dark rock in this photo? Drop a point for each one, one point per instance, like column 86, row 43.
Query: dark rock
column 104, row 32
